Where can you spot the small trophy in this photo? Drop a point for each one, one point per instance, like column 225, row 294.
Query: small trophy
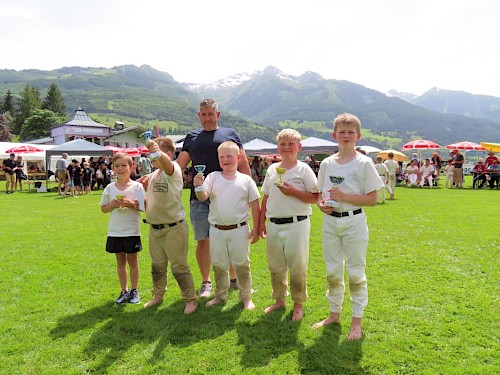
column 336, row 181
column 280, row 172
column 146, row 136
column 120, row 197
column 200, row 168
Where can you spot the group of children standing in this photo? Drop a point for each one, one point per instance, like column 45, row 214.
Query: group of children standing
column 346, row 182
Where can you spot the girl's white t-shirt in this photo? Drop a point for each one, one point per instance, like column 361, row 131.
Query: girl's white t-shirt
column 123, row 222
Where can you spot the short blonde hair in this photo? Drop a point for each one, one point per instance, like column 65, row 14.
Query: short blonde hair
column 291, row 134
column 165, row 144
column 229, row 145
column 347, row 119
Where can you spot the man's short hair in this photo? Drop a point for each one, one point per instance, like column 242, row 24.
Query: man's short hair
column 211, row 103
column 12, row 154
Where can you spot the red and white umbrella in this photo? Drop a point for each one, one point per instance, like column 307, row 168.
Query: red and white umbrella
column 114, row 149
column 23, row 149
column 420, row 144
column 466, row 146
column 143, row 150
column 132, row 151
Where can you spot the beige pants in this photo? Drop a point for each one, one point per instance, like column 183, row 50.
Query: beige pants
column 231, row 246
column 287, row 248
column 171, row 245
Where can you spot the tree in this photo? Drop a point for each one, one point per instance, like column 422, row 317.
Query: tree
column 39, row 123
column 54, row 100
column 5, row 134
column 30, row 100
column 8, row 103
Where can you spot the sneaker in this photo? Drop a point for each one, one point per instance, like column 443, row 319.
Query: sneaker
column 233, row 284
column 133, row 296
column 206, row 289
column 123, row 297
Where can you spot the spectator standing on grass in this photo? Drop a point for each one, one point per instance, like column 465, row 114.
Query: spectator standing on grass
column 287, row 206
column 168, row 232
column 449, row 171
column 10, row 167
column 232, row 195
column 393, row 168
column 345, row 229
column 87, row 174
column 437, row 161
column 200, row 147
column 120, row 199
column 458, row 175
column 383, row 172
column 19, row 172
column 61, row 173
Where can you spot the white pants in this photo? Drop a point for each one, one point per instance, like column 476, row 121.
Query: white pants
column 346, row 237
column 287, row 248
column 392, row 183
column 231, row 246
column 412, row 178
column 428, row 178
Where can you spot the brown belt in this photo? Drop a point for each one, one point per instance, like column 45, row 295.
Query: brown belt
column 229, row 227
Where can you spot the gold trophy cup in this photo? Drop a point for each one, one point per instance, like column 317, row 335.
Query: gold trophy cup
column 280, row 172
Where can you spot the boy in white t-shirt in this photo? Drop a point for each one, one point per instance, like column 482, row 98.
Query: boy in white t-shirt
column 287, row 204
column 168, row 232
column 121, row 199
column 231, row 194
column 393, row 167
column 345, row 231
column 383, row 172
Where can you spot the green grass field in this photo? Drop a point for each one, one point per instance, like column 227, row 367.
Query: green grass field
column 432, row 273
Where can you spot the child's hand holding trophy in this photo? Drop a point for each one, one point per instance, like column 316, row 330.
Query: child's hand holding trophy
column 336, row 182
column 280, row 172
column 146, row 136
column 121, row 197
column 199, row 168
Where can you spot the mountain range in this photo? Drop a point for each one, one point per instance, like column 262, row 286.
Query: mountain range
column 257, row 105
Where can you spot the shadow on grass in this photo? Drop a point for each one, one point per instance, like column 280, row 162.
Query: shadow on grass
column 329, row 355
column 269, row 337
column 116, row 330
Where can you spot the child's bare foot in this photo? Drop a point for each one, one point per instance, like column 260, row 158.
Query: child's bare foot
column 356, row 331
column 190, row 307
column 277, row 305
column 333, row 318
column 298, row 313
column 157, row 299
column 248, row 304
column 214, row 301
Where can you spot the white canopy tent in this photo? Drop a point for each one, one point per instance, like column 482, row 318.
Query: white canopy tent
column 257, row 147
column 314, row 145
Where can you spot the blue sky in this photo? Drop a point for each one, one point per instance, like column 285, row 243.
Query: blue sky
column 410, row 45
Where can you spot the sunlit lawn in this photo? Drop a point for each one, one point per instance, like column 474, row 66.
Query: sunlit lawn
column 433, row 283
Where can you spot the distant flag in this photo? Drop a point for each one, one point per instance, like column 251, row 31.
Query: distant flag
column 157, row 130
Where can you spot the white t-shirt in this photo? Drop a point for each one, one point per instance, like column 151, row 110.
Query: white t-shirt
column 427, row 170
column 302, row 178
column 123, row 222
column 382, row 169
column 164, row 204
column 392, row 165
column 359, row 177
column 229, row 199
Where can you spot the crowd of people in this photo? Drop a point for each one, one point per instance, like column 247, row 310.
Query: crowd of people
column 428, row 172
